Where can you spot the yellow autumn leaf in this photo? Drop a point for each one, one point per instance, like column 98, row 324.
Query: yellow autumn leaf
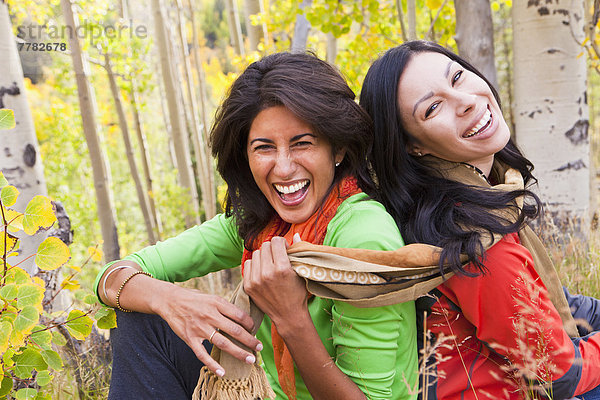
column 70, row 284
column 5, row 331
column 14, row 219
column 52, row 253
column 39, row 214
column 95, row 253
column 39, row 281
column 495, row 6
column 7, row 243
column 433, row 4
column 9, row 195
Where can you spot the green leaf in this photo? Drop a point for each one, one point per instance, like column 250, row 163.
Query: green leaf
column 27, row 319
column 43, row 378
column 27, row 361
column 58, row 339
column 106, row 318
column 7, row 118
column 9, row 291
column 42, row 338
column 9, row 245
column 79, row 325
column 3, row 181
column 26, row 394
column 7, row 358
column 9, row 195
column 5, row 331
column 52, row 359
column 29, row 295
column 90, row 299
column 39, row 214
column 18, row 275
column 52, row 254
column 6, row 386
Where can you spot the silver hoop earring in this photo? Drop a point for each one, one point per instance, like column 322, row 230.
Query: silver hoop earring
column 337, row 164
column 419, row 154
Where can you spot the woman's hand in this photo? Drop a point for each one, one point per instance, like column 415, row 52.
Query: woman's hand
column 272, row 283
column 195, row 316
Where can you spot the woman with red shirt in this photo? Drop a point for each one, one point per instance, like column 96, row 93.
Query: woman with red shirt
column 444, row 158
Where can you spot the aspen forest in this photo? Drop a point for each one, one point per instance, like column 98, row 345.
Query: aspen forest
column 105, row 113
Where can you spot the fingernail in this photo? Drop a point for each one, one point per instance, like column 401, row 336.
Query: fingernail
column 297, row 237
column 259, row 347
column 220, row 372
column 250, row 359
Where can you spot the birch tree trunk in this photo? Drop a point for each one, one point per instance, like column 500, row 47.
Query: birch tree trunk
column 141, row 137
column 301, row 30
column 235, row 28
column 475, row 35
column 106, row 210
column 176, row 117
column 135, row 175
column 331, row 48
column 551, row 111
column 255, row 32
column 411, row 10
column 19, row 151
column 212, row 210
column 401, row 20
column 200, row 152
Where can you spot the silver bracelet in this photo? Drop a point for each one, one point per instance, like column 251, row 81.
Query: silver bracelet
column 107, row 275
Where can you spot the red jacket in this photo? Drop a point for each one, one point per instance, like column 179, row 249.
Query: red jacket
column 501, row 323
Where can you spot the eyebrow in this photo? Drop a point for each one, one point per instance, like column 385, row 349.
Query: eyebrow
column 430, row 94
column 422, row 99
column 294, row 139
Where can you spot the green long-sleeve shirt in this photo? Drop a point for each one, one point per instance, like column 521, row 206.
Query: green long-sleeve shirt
column 376, row 347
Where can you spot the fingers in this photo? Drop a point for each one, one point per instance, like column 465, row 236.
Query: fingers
column 202, row 355
column 238, row 325
column 279, row 253
column 223, row 343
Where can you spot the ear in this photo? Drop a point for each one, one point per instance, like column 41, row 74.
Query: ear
column 339, row 156
column 414, row 149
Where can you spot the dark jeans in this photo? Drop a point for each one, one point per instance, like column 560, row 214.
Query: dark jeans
column 150, row 361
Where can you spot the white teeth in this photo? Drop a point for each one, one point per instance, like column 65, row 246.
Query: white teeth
column 291, row 188
column 482, row 122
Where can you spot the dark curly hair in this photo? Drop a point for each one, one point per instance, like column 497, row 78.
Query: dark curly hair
column 316, row 93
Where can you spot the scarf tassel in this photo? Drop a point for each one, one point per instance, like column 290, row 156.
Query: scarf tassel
column 213, row 387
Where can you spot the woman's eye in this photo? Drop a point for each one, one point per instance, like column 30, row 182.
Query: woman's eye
column 302, row 144
column 431, row 109
column 262, row 147
column 456, row 77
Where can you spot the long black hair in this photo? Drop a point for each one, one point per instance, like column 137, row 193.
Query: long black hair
column 316, row 93
column 429, row 208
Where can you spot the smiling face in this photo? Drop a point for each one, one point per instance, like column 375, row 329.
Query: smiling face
column 450, row 112
column 292, row 165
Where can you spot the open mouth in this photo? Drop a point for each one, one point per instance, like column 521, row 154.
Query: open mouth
column 481, row 126
column 292, row 194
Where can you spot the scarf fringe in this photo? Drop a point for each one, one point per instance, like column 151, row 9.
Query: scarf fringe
column 212, row 387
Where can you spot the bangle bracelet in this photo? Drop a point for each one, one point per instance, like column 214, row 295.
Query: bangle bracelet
column 107, row 275
column 123, row 285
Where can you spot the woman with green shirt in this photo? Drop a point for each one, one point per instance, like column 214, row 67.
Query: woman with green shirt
column 290, row 142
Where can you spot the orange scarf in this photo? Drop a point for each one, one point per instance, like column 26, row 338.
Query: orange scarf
column 312, row 230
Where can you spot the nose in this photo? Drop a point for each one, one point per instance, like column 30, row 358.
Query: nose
column 284, row 164
column 466, row 103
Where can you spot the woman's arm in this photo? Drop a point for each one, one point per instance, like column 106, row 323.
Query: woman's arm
column 192, row 315
column 276, row 289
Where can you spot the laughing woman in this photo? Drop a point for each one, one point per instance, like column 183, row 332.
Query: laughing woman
column 450, row 176
column 290, row 143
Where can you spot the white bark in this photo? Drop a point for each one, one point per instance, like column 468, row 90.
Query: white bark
column 87, row 105
column 475, row 35
column 19, row 151
column 331, row 48
column 301, row 30
column 551, row 111
column 235, row 28
column 176, row 117
column 255, row 32
column 411, row 10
